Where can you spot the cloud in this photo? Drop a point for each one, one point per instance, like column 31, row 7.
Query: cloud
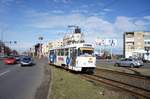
column 56, row 21
column 140, row 23
column 35, row 14
column 92, row 26
column 79, row 11
column 123, row 23
column 147, row 17
column 57, row 11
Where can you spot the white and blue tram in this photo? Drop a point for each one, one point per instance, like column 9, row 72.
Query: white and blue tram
column 76, row 57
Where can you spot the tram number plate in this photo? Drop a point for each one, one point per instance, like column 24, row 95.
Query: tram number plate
column 90, row 61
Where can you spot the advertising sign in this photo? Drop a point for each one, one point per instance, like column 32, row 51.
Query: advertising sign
column 107, row 42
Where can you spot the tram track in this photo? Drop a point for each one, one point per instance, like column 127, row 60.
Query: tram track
column 125, row 81
column 132, row 79
column 136, row 85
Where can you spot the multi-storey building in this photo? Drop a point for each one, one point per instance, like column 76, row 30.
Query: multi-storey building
column 45, row 49
column 51, row 44
column 56, row 43
column 136, row 44
column 75, row 37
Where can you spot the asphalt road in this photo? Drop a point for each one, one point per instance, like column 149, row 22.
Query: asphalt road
column 20, row 82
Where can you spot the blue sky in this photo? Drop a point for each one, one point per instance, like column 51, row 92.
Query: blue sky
column 25, row 20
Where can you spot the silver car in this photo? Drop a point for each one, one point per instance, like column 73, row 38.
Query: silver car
column 129, row 62
column 26, row 61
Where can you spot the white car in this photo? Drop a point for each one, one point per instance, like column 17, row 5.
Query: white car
column 129, row 62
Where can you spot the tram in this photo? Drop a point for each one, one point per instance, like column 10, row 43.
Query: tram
column 76, row 57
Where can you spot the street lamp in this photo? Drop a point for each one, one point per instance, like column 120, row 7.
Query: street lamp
column 9, row 43
column 2, row 44
column 40, row 47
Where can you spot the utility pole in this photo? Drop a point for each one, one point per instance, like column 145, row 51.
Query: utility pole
column 2, row 44
column 40, row 38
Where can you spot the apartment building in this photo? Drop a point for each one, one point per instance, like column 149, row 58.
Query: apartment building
column 55, row 44
column 136, row 44
column 72, row 38
column 45, row 49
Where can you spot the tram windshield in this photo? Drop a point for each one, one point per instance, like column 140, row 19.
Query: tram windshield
column 85, row 51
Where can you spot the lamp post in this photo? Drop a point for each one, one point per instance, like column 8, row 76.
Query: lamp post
column 9, row 45
column 40, row 38
column 2, row 44
column 2, row 30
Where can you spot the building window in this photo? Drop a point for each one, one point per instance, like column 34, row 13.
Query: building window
column 147, row 42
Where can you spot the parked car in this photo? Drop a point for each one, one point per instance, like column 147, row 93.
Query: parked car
column 26, row 61
column 10, row 60
column 129, row 62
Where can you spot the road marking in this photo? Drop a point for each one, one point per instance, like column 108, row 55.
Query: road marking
column 1, row 74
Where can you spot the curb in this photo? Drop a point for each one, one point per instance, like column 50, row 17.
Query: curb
column 51, row 82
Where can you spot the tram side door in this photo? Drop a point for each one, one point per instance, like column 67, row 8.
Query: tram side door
column 73, row 55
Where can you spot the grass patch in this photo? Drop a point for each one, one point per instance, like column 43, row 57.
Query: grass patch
column 69, row 86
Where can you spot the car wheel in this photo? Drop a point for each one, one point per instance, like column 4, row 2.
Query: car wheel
column 132, row 65
column 21, row 65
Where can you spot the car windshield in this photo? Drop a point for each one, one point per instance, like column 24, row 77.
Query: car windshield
column 26, row 59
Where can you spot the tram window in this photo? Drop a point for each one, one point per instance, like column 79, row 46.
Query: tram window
column 79, row 52
column 62, row 52
column 85, row 52
column 75, row 52
column 71, row 51
column 59, row 53
column 66, row 52
column 56, row 52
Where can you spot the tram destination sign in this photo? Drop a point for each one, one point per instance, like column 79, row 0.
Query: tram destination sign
column 87, row 45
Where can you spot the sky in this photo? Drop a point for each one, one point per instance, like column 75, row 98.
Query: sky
column 25, row 20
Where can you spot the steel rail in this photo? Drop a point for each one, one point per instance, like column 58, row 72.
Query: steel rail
column 124, row 73
column 137, row 91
